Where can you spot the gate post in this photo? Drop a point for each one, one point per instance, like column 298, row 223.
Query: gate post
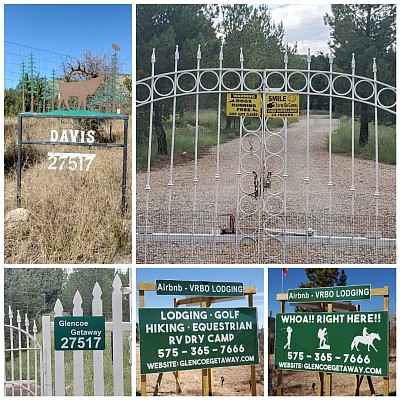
column 252, row 367
column 46, row 363
column 204, row 371
column 280, row 372
column 386, row 308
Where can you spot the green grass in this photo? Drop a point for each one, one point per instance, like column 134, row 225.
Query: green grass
column 88, row 368
column 207, row 134
column 341, row 141
column 315, row 112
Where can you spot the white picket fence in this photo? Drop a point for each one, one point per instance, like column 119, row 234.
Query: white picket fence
column 117, row 326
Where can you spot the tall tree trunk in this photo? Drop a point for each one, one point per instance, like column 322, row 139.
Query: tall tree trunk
column 363, row 140
column 159, row 127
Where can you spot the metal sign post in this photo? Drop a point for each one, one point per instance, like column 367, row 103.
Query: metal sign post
column 73, row 115
column 329, row 347
column 187, row 332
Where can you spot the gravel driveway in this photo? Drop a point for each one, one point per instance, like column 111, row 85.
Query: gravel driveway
column 341, row 222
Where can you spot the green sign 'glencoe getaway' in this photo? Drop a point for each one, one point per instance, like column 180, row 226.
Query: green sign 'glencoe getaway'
column 173, row 339
column 329, row 294
column 79, row 333
column 199, row 288
column 348, row 343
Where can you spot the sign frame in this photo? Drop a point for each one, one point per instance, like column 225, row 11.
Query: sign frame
column 73, row 115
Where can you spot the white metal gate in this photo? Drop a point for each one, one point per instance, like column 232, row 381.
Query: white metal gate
column 24, row 371
column 262, row 221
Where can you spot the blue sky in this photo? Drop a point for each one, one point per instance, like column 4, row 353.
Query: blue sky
column 249, row 277
column 54, row 31
column 377, row 277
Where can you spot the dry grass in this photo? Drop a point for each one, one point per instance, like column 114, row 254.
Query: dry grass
column 75, row 215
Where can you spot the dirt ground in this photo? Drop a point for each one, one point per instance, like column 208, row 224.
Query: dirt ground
column 236, row 381
column 299, row 383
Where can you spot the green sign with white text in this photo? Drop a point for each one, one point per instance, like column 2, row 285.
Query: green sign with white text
column 349, row 343
column 172, row 339
column 199, row 288
column 329, row 294
column 79, row 333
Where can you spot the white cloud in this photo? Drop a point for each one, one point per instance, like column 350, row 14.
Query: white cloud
column 303, row 23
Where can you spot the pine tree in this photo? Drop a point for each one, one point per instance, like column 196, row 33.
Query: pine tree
column 324, row 277
column 368, row 31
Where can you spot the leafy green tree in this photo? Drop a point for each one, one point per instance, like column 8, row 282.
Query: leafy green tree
column 163, row 27
column 32, row 291
column 368, row 31
column 251, row 28
column 83, row 280
column 12, row 102
column 324, row 277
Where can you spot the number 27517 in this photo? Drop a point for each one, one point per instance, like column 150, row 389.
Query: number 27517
column 71, row 161
column 89, row 343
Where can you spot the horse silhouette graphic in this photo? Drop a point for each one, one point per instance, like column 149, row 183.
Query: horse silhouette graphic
column 366, row 339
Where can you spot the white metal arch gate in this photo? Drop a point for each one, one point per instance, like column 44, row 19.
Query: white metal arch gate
column 246, row 212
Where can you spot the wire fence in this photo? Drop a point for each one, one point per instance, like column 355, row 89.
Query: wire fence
column 295, row 238
column 45, row 62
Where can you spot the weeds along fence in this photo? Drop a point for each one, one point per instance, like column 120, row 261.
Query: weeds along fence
column 34, row 368
column 332, row 239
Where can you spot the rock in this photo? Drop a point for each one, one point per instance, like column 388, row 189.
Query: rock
column 14, row 217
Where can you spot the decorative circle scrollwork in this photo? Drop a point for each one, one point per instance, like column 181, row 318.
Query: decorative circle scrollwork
column 248, row 246
column 273, row 226
column 178, row 82
column 358, row 95
column 312, row 84
column 248, row 205
column 380, row 102
column 248, row 75
column 291, row 85
column 274, row 144
column 270, row 77
column 251, row 142
column 226, row 74
column 158, row 80
column 273, row 205
column 141, row 95
column 275, row 164
column 201, row 76
column 250, row 162
column 336, row 80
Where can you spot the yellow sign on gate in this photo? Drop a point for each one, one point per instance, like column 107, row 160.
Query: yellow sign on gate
column 243, row 104
column 282, row 105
